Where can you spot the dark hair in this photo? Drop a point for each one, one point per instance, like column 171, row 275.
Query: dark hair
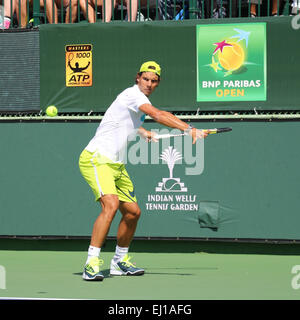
column 140, row 73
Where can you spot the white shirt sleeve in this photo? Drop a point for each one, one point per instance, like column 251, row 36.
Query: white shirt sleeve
column 135, row 99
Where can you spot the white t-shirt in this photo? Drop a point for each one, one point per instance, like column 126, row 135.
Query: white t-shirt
column 121, row 120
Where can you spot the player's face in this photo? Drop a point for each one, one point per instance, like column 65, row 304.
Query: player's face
column 147, row 82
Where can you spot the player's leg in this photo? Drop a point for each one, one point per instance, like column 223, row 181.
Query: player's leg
column 129, row 209
column 100, row 177
column 130, row 216
column 120, row 264
column 110, row 204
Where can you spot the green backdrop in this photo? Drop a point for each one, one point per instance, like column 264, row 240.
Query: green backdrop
column 120, row 48
column 248, row 189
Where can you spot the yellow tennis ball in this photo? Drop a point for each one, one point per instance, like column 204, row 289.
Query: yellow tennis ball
column 51, row 111
column 232, row 58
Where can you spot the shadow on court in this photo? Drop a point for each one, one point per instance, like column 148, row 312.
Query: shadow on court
column 166, row 273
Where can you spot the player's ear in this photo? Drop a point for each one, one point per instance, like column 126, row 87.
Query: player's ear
column 158, row 81
column 138, row 75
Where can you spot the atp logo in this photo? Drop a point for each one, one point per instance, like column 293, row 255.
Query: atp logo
column 79, row 72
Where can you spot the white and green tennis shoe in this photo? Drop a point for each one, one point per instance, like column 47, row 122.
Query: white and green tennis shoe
column 92, row 270
column 125, row 268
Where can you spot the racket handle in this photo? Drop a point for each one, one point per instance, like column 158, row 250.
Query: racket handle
column 218, row 130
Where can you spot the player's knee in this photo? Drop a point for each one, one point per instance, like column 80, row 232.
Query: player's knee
column 131, row 211
column 108, row 216
column 110, row 204
column 112, row 207
column 136, row 213
column 109, row 213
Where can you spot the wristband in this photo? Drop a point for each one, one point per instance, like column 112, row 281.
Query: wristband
column 189, row 129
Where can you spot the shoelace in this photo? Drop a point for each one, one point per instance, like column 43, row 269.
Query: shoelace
column 127, row 262
column 94, row 265
column 101, row 262
column 98, row 262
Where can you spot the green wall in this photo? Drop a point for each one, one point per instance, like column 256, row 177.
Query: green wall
column 120, row 48
column 249, row 188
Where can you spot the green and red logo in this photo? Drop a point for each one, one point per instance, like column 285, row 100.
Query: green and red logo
column 231, row 62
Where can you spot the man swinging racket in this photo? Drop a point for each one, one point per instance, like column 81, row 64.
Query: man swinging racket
column 101, row 165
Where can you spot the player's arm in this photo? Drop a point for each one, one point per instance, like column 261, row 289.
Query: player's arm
column 147, row 135
column 168, row 119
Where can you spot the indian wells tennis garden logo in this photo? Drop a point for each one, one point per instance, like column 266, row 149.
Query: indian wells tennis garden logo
column 171, row 194
column 171, row 184
column 231, row 62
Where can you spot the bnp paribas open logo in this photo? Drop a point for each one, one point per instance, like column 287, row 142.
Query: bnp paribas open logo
column 231, row 62
column 229, row 55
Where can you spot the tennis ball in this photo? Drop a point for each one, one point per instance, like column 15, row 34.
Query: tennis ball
column 51, row 111
column 231, row 58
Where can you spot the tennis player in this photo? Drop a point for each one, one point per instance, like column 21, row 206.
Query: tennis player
column 102, row 165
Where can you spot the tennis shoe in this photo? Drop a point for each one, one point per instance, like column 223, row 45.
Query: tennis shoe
column 125, row 268
column 92, row 270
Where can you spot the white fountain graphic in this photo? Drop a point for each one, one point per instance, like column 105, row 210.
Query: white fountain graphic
column 171, row 184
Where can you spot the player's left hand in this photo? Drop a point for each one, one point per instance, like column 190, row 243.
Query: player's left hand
column 198, row 134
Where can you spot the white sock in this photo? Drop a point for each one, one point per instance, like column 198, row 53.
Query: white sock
column 120, row 253
column 93, row 252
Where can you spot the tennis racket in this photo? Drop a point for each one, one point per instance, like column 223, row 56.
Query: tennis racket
column 209, row 131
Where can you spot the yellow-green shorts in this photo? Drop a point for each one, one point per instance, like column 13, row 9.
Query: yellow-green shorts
column 106, row 177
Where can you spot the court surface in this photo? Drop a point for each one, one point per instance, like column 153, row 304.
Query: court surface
column 175, row 270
